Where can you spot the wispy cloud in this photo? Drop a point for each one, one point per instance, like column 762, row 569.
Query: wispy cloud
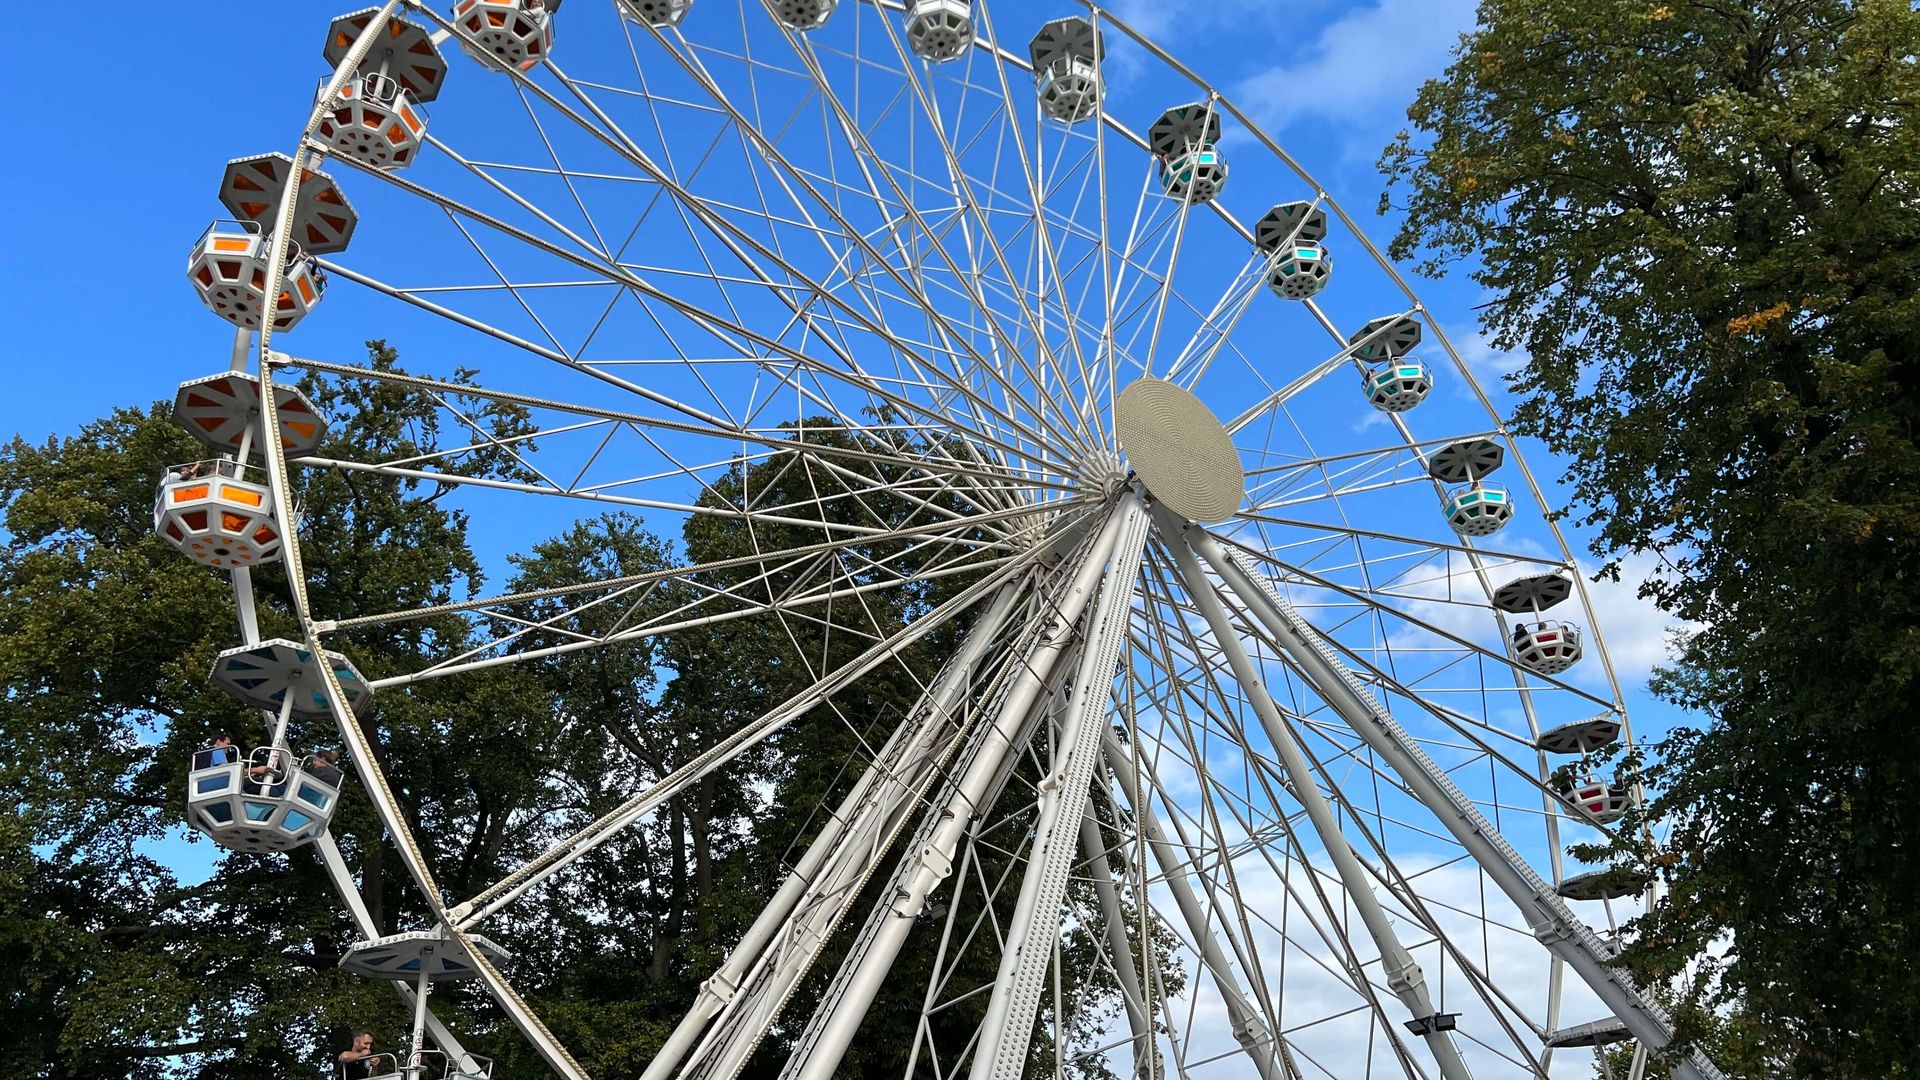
column 1638, row 633
column 1488, row 365
column 1363, row 66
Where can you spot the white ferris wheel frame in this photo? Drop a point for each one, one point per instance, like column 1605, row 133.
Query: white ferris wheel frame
column 1093, row 574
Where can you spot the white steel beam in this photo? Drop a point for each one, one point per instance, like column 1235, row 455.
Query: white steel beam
column 1404, row 976
column 1119, row 949
column 825, row 1041
column 849, row 841
column 503, row 892
column 1250, row 1028
column 1547, row 915
column 1033, row 931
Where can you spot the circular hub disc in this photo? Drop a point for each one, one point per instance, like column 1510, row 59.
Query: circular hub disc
column 1182, row 453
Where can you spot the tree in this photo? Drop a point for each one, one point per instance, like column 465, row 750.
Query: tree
column 109, row 966
column 105, row 638
column 1701, row 221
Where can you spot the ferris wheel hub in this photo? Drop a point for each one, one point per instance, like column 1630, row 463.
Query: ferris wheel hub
column 1180, row 450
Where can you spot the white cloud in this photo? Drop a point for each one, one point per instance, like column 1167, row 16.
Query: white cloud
column 1637, row 632
column 1489, row 366
column 1369, row 420
column 1317, row 1005
column 1364, row 64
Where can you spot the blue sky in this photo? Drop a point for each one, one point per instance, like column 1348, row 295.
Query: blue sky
column 111, row 185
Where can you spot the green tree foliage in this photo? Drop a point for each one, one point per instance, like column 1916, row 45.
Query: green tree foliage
column 111, row 966
column 643, row 920
column 1701, row 221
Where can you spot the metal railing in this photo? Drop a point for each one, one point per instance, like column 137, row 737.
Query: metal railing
column 203, row 757
column 363, row 1068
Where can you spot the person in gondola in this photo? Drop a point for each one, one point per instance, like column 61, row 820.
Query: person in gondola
column 218, row 752
column 326, row 768
column 359, row 1060
column 178, row 474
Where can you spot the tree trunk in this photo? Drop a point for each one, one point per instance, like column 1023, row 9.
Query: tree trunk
column 670, row 926
column 703, row 859
column 373, row 881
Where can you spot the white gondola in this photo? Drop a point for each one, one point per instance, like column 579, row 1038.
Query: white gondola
column 1478, row 509
column 1066, row 69
column 1545, row 646
column 1601, row 801
column 1291, row 235
column 374, row 120
column 425, row 957
column 378, row 118
column 228, row 268
column 212, row 513
column 939, row 30
column 1394, row 381
column 1473, row 507
column 268, row 801
column 1300, row 271
column 1398, row 385
column 264, row 801
column 1185, row 140
column 515, row 34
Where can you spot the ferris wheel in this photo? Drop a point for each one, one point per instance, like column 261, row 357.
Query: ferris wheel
column 1265, row 687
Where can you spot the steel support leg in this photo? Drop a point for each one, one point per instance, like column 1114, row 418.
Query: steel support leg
column 1032, row 932
column 825, row 1042
column 1119, row 949
column 1404, row 976
column 1546, row 914
column 819, row 878
column 1250, row 1029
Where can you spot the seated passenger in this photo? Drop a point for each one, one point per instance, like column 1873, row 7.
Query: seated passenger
column 326, row 768
column 176, row 474
column 359, row 1060
column 218, row 752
